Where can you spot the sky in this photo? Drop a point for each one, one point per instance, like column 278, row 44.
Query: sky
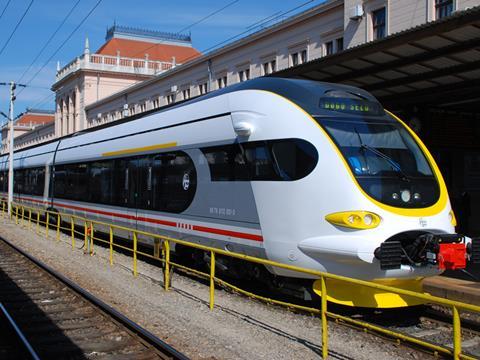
column 19, row 48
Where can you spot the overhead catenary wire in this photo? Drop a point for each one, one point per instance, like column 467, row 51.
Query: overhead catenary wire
column 63, row 43
column 5, row 8
column 16, row 27
column 49, row 40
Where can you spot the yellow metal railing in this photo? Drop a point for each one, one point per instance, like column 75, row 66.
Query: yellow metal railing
column 53, row 222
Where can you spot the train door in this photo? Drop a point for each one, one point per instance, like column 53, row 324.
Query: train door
column 145, row 186
column 126, row 184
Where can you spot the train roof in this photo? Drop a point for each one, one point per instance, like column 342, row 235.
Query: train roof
column 305, row 93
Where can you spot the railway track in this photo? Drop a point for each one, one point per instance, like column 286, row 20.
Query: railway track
column 426, row 324
column 61, row 320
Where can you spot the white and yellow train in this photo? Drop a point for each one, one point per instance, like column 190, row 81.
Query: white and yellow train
column 311, row 174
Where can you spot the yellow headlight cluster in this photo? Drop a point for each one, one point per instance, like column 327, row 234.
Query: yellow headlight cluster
column 354, row 219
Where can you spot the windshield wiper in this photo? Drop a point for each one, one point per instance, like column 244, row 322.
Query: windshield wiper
column 387, row 158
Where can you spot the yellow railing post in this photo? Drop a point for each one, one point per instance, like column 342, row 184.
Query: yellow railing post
column 92, row 234
column 23, row 215
column 72, row 229
column 38, row 221
column 212, row 279
column 457, row 334
column 29, row 219
column 58, row 227
column 3, row 208
column 166, row 271
column 324, row 319
column 48, row 222
column 16, row 215
column 111, row 245
column 135, row 253
column 85, row 244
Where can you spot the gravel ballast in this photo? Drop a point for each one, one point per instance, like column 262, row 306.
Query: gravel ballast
column 237, row 328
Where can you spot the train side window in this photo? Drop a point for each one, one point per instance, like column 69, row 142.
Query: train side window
column 39, row 182
column 59, row 181
column 77, row 182
column 272, row 160
column 101, row 181
column 295, row 158
column 260, row 162
column 227, row 163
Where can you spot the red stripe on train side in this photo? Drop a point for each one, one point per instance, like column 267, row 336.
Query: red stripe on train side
column 198, row 228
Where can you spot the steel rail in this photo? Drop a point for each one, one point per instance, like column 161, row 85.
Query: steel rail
column 28, row 347
column 110, row 311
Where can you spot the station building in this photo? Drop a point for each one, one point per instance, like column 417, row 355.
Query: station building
column 32, row 127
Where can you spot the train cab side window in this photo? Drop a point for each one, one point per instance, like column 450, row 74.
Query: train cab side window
column 272, row 160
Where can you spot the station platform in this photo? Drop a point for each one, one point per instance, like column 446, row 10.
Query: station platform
column 453, row 289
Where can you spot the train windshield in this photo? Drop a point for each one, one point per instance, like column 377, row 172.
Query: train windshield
column 385, row 159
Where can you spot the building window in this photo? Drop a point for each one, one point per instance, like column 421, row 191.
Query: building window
column 269, row 67
column 329, row 48
column 186, row 94
column 222, row 82
column 156, row 103
column 378, row 22
column 244, row 75
column 170, row 99
column 203, row 88
column 443, row 8
column 339, row 44
column 298, row 58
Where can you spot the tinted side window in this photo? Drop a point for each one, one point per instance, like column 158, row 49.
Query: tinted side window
column 19, row 181
column 101, row 182
column 59, row 181
column 71, row 182
column 273, row 160
column 227, row 163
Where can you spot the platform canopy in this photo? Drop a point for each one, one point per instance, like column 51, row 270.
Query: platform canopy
column 437, row 64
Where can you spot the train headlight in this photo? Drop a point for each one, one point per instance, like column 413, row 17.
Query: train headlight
column 453, row 219
column 354, row 219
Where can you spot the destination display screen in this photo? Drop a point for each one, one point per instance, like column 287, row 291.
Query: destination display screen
column 352, row 106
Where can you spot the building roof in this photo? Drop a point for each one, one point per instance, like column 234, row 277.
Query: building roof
column 34, row 119
column 127, row 32
column 156, row 52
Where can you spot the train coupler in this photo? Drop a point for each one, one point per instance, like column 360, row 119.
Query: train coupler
column 447, row 251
